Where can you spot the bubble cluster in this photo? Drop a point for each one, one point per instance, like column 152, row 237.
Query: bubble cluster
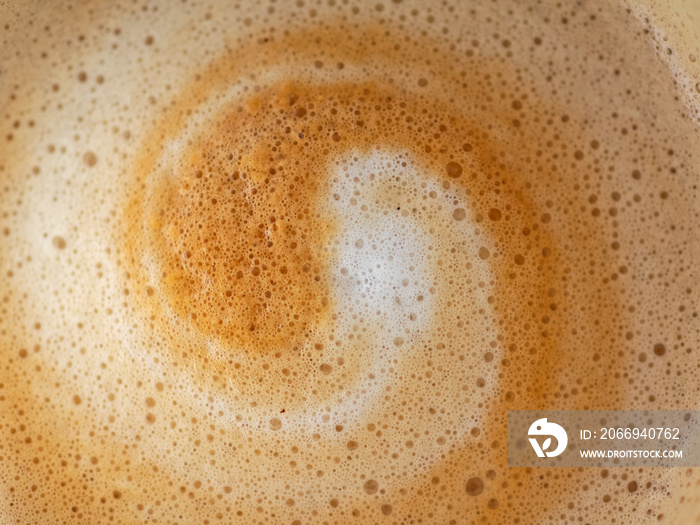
column 294, row 262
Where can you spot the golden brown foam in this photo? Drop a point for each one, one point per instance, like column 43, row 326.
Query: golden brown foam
column 241, row 245
column 220, row 375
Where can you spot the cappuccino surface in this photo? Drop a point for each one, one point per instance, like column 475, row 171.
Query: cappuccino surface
column 293, row 262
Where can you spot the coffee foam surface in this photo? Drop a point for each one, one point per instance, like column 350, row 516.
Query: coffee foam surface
column 293, row 264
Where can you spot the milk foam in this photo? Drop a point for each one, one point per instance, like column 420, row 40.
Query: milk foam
column 492, row 212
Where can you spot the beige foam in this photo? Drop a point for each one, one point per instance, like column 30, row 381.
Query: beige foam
column 478, row 209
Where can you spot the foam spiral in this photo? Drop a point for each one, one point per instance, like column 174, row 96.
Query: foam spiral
column 327, row 251
column 330, row 257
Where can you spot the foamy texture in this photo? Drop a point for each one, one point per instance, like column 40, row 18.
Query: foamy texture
column 293, row 263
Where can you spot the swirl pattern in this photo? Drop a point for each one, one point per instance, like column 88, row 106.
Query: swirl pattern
column 296, row 267
column 329, row 251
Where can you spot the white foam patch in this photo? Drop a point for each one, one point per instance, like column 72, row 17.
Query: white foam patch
column 400, row 258
column 382, row 268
